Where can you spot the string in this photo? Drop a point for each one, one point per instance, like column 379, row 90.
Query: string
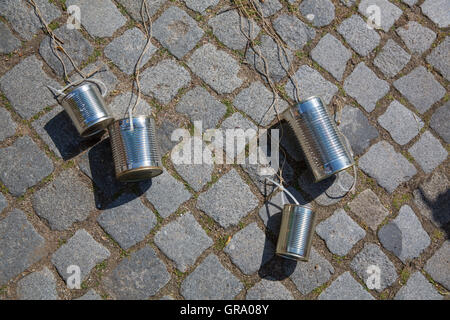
column 57, row 46
column 145, row 15
column 284, row 190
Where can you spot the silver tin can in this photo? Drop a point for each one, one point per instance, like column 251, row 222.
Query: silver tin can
column 87, row 109
column 135, row 149
column 321, row 141
column 296, row 232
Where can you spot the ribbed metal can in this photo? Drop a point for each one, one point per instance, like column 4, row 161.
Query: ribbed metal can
column 296, row 232
column 321, row 141
column 87, row 109
column 135, row 149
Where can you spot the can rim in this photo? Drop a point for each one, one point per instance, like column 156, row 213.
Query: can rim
column 311, row 98
column 134, row 117
column 292, row 256
column 153, row 170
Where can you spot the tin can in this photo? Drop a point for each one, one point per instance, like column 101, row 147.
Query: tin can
column 135, row 149
column 87, row 109
column 319, row 137
column 296, row 232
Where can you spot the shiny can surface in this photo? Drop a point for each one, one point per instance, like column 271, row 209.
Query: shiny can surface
column 296, row 232
column 321, row 141
column 135, row 149
column 87, row 109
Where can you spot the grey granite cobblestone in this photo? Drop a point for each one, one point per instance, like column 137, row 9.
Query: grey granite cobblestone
column 392, row 59
column 231, row 209
column 428, row 152
column 23, row 165
column 355, row 31
column 438, row 266
column 64, row 202
column 269, row 290
column 183, row 241
column 201, row 6
column 404, row 236
column 438, row 11
column 8, row 42
column 25, row 87
column 293, row 31
column 418, row 288
column 319, row 12
column 345, row 287
column 369, row 208
column 439, row 58
column 416, row 37
column 39, row 285
column 177, row 31
column 133, row 8
column 389, row 13
column 7, row 125
column 340, row 232
column 80, row 250
column 210, row 281
column 20, row 245
column 100, row 18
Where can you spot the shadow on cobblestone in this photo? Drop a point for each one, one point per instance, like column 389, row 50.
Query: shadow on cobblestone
column 66, row 138
column 440, row 209
column 98, row 165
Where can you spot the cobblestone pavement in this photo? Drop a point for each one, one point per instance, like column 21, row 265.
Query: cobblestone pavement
column 208, row 232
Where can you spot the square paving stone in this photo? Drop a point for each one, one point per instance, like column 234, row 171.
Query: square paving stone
column 165, row 193
column 126, row 50
column 23, row 18
column 164, row 80
column 433, row 199
column 418, row 288
column 7, row 125
column 138, row 277
column 389, row 13
column 227, row 28
column 23, row 165
column 90, row 295
column 183, row 241
column 127, row 220
column 355, row 31
column 428, row 152
column 165, row 130
column 404, row 236
column 369, row 208
column 275, row 62
column 416, row 37
column 329, row 191
column 372, row 255
column 201, row 6
column 420, row 88
column 311, row 274
column 133, row 8
column 231, row 209
column 272, row 209
column 196, row 175
column 345, row 287
column 177, row 31
column 65, row 201
column 269, row 7
column 234, row 124
column 438, row 11
column 217, row 68
column 74, row 43
column 340, row 232
column 311, row 83
column 438, row 266
column 3, row 202
column 121, row 104
column 39, row 285
column 319, row 12
column 20, row 245
column 389, row 168
column 25, row 87
column 269, row 290
column 199, row 105
column 331, row 55
column 81, row 250
column 293, row 31
column 249, row 249
column 401, row 123
column 439, row 58
column 256, row 101
column 392, row 59
column 8, row 42
column 357, row 129
column 365, row 87
column 210, row 281
column 98, row 165
column 100, row 18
